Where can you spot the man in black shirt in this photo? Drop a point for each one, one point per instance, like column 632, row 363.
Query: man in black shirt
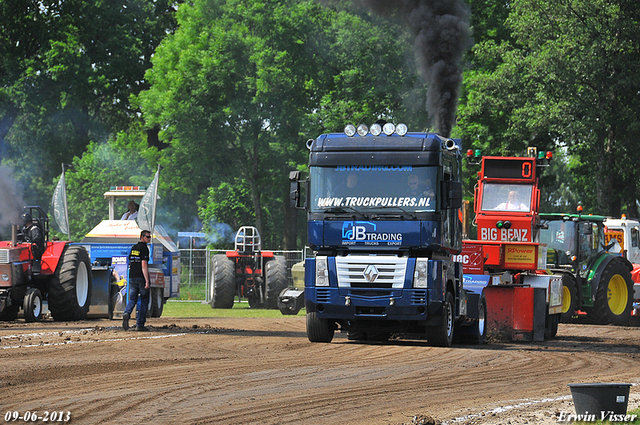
column 138, row 282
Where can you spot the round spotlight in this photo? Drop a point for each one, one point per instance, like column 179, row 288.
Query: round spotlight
column 376, row 129
column 350, row 130
column 362, row 130
column 389, row 129
column 401, row 129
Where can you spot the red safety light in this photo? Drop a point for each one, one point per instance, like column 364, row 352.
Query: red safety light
column 549, row 155
column 579, row 208
column 469, row 153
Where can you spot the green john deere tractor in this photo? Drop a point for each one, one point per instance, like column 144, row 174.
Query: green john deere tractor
column 594, row 281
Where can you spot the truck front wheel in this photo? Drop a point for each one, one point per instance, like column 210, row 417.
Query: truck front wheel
column 70, row 287
column 319, row 330
column 442, row 335
column 614, row 296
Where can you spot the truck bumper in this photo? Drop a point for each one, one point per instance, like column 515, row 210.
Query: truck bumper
column 402, row 305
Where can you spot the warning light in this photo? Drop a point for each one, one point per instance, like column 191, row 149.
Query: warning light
column 477, row 153
column 549, row 155
column 579, row 208
column 540, row 155
column 469, row 153
column 499, row 224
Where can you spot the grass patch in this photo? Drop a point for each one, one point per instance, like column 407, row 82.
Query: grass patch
column 198, row 309
column 194, row 291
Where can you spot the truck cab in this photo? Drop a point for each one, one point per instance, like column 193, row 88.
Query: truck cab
column 382, row 212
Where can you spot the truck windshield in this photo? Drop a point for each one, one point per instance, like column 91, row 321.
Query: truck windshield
column 383, row 188
column 506, row 197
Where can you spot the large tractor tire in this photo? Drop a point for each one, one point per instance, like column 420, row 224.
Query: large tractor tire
column 275, row 280
column 569, row 298
column 32, row 306
column 319, row 330
column 223, row 282
column 71, row 285
column 442, row 335
column 614, row 296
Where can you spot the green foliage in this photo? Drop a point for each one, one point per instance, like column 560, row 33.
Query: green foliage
column 125, row 160
column 67, row 70
column 564, row 82
column 240, row 86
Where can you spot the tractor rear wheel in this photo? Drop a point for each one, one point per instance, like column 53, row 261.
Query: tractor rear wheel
column 569, row 298
column 32, row 305
column 614, row 296
column 275, row 280
column 442, row 335
column 319, row 330
column 223, row 282
column 70, row 287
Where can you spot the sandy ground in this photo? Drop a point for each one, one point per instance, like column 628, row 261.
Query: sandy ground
column 241, row 371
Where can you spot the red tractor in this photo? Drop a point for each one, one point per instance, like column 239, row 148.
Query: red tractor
column 248, row 272
column 62, row 276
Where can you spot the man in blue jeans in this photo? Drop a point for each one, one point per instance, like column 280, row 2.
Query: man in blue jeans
column 138, row 282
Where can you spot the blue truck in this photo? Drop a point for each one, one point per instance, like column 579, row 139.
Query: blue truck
column 383, row 224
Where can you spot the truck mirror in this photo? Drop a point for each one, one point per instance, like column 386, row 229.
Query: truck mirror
column 294, row 176
column 451, row 194
column 294, row 194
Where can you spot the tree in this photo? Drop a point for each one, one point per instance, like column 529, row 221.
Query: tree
column 121, row 161
column 67, row 69
column 241, row 83
column 565, row 83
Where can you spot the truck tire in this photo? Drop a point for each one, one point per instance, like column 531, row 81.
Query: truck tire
column 71, row 285
column 156, row 300
column 32, row 305
column 614, row 296
column 442, row 335
column 223, row 282
column 275, row 280
column 319, row 330
column 569, row 298
column 551, row 325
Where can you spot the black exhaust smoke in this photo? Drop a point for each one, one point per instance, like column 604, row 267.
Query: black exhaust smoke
column 441, row 35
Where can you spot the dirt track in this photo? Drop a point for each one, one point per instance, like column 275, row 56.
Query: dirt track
column 237, row 371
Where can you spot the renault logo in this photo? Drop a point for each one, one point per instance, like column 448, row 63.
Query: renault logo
column 370, row 273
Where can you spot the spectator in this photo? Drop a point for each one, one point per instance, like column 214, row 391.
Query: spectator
column 138, row 282
column 132, row 212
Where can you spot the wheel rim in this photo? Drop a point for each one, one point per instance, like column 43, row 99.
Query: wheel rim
column 36, row 306
column 481, row 319
column 449, row 321
column 82, row 284
column 617, row 295
column 566, row 299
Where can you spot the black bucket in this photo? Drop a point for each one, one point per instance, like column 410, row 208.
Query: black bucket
column 597, row 398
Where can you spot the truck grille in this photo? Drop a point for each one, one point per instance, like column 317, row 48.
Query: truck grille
column 381, row 272
column 4, row 256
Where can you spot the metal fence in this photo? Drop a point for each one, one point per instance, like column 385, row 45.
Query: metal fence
column 195, row 278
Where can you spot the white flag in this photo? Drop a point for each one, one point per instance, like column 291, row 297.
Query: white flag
column 60, row 219
column 147, row 210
